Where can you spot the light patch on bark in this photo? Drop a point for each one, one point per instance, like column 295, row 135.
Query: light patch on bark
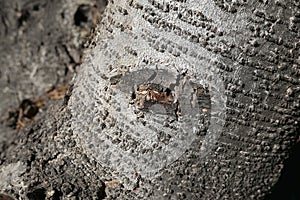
column 10, row 176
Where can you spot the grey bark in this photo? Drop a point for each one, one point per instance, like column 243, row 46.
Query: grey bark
column 228, row 141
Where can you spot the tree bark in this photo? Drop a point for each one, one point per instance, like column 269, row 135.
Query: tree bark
column 175, row 99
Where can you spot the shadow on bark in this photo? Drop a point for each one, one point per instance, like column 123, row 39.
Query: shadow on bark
column 289, row 181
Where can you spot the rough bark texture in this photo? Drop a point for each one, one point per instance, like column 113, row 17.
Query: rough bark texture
column 232, row 71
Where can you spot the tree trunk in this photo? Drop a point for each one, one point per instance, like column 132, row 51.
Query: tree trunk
column 175, row 99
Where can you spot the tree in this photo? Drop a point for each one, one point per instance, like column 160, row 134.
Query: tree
column 175, row 99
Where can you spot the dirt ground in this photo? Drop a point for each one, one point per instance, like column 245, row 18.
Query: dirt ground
column 41, row 48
